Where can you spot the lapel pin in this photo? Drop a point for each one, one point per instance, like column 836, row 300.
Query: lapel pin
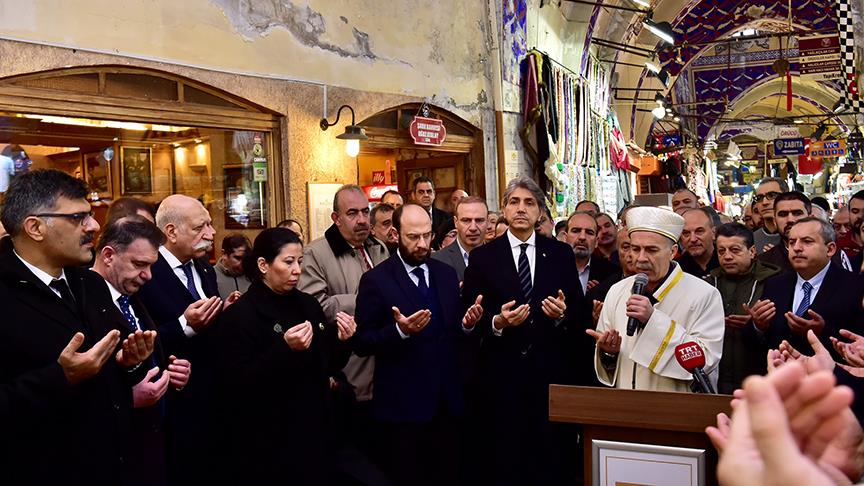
column 277, row 328
column 544, row 255
column 321, row 326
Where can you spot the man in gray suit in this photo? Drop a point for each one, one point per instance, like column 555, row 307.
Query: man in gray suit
column 470, row 222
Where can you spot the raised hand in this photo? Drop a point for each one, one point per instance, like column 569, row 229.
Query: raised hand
column 474, row 313
column 179, row 370
column 737, row 321
column 414, row 323
column 609, row 341
column 853, row 351
column 137, row 347
column 346, row 326
column 201, row 313
column 299, row 337
column 148, row 393
column 554, row 307
column 232, row 297
column 762, row 312
column 510, row 317
column 596, row 309
column 82, row 366
column 800, row 325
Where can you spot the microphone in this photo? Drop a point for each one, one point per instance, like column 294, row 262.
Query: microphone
column 638, row 288
column 691, row 357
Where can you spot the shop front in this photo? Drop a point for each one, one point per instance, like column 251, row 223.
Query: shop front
column 139, row 132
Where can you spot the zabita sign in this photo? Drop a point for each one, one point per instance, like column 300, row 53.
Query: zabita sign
column 428, row 131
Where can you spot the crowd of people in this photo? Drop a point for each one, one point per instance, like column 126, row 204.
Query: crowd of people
column 410, row 345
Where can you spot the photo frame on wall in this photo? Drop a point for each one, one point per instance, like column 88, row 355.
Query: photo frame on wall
column 320, row 207
column 242, row 199
column 97, row 172
column 136, row 167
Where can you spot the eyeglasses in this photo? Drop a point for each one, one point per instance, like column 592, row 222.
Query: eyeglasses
column 78, row 218
column 770, row 195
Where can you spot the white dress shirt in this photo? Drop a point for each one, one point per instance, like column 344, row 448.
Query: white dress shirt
column 177, row 266
column 530, row 252
column 462, row 251
column 115, row 294
column 583, row 276
column 409, row 269
column 815, row 281
column 44, row 277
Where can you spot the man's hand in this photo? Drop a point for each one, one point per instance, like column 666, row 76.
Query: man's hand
column 591, row 284
column 554, row 307
column 762, row 312
column 609, row 341
column 137, row 347
column 179, row 370
column 737, row 321
column 595, row 311
column 299, row 337
column 719, row 435
column 852, row 352
column 820, row 361
column 473, row 314
column 414, row 323
column 148, row 393
column 510, row 317
column 232, row 297
column 346, row 327
column 800, row 325
column 82, row 366
column 640, row 307
column 200, row 314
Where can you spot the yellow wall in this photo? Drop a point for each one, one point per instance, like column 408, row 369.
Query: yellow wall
column 369, row 163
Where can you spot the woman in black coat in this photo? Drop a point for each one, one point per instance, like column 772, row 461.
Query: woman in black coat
column 278, row 355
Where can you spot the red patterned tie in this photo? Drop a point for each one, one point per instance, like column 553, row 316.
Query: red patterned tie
column 364, row 257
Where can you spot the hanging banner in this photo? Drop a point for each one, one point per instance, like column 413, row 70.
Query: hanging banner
column 428, row 131
column 789, row 146
column 828, row 148
column 819, row 57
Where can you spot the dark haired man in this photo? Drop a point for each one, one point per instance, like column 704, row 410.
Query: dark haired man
column 66, row 420
column 740, row 280
column 392, row 198
column 293, row 225
column 424, row 195
column 381, row 222
column 768, row 190
column 851, row 244
column 126, row 206
column 699, row 259
column 230, row 278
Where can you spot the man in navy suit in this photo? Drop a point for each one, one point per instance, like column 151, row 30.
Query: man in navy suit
column 534, row 315
column 409, row 317
column 470, row 219
column 819, row 295
column 183, row 300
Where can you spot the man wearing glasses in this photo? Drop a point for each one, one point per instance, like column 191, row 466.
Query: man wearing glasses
column 768, row 190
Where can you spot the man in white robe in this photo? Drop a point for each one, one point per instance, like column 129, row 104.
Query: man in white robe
column 679, row 308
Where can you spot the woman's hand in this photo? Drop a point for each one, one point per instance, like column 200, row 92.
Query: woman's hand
column 346, row 326
column 299, row 337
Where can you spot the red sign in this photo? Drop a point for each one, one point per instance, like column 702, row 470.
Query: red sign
column 374, row 193
column 428, row 131
column 380, row 177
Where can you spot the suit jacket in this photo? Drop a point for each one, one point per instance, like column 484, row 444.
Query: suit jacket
column 53, row 432
column 601, row 268
column 838, row 302
column 189, row 414
column 439, row 217
column 452, row 255
column 418, row 376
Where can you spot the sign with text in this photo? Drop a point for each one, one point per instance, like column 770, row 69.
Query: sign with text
column 428, row 131
column 828, row 148
column 819, row 57
column 374, row 192
column 379, row 177
column 789, row 146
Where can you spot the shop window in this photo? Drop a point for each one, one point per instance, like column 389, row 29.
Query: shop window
column 140, row 86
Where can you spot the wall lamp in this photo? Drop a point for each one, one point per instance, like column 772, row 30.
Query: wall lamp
column 353, row 133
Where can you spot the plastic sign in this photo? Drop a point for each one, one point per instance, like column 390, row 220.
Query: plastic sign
column 374, row 192
column 428, row 131
column 828, row 148
column 789, row 146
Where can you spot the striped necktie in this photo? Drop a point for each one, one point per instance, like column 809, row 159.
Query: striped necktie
column 805, row 302
column 524, row 272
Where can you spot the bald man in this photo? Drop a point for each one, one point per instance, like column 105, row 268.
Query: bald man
column 183, row 300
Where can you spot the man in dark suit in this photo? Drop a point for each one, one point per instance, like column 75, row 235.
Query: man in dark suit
column 183, row 300
column 424, row 195
column 582, row 237
column 66, row 420
column 127, row 249
column 418, row 396
column 471, row 219
column 533, row 318
column 818, row 295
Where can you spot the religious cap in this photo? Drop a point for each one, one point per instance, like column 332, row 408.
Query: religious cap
column 656, row 220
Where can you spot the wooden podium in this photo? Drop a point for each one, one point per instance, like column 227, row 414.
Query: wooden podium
column 644, row 417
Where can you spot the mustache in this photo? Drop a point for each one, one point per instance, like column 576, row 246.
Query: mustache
column 361, row 227
column 88, row 238
column 203, row 245
column 643, row 266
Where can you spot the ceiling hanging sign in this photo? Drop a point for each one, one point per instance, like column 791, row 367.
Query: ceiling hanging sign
column 428, row 131
column 787, row 132
column 828, row 148
column 789, row 146
column 819, row 57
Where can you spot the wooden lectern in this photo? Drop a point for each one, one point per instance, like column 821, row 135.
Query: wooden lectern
column 644, row 417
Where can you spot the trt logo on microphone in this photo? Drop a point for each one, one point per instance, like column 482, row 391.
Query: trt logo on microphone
column 690, row 355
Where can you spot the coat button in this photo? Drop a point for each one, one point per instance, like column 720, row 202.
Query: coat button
column 116, row 407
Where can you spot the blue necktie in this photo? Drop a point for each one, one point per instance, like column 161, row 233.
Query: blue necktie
column 805, row 302
column 190, row 280
column 524, row 272
column 123, row 300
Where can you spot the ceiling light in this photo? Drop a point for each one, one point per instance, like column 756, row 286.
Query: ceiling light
column 652, row 67
column 658, row 112
column 663, row 30
column 660, row 99
column 668, row 109
column 677, row 118
column 798, row 121
column 642, row 3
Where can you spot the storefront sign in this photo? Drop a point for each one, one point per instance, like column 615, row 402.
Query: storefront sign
column 428, row 131
column 787, row 132
column 819, row 57
column 374, row 192
column 379, row 177
column 259, row 169
column 789, row 146
column 778, row 161
column 828, row 148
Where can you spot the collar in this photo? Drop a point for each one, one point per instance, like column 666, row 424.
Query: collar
column 39, row 273
column 169, row 257
column 340, row 246
column 115, row 294
column 669, row 281
column 515, row 242
column 410, row 268
column 462, row 250
column 815, row 280
column 587, row 266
